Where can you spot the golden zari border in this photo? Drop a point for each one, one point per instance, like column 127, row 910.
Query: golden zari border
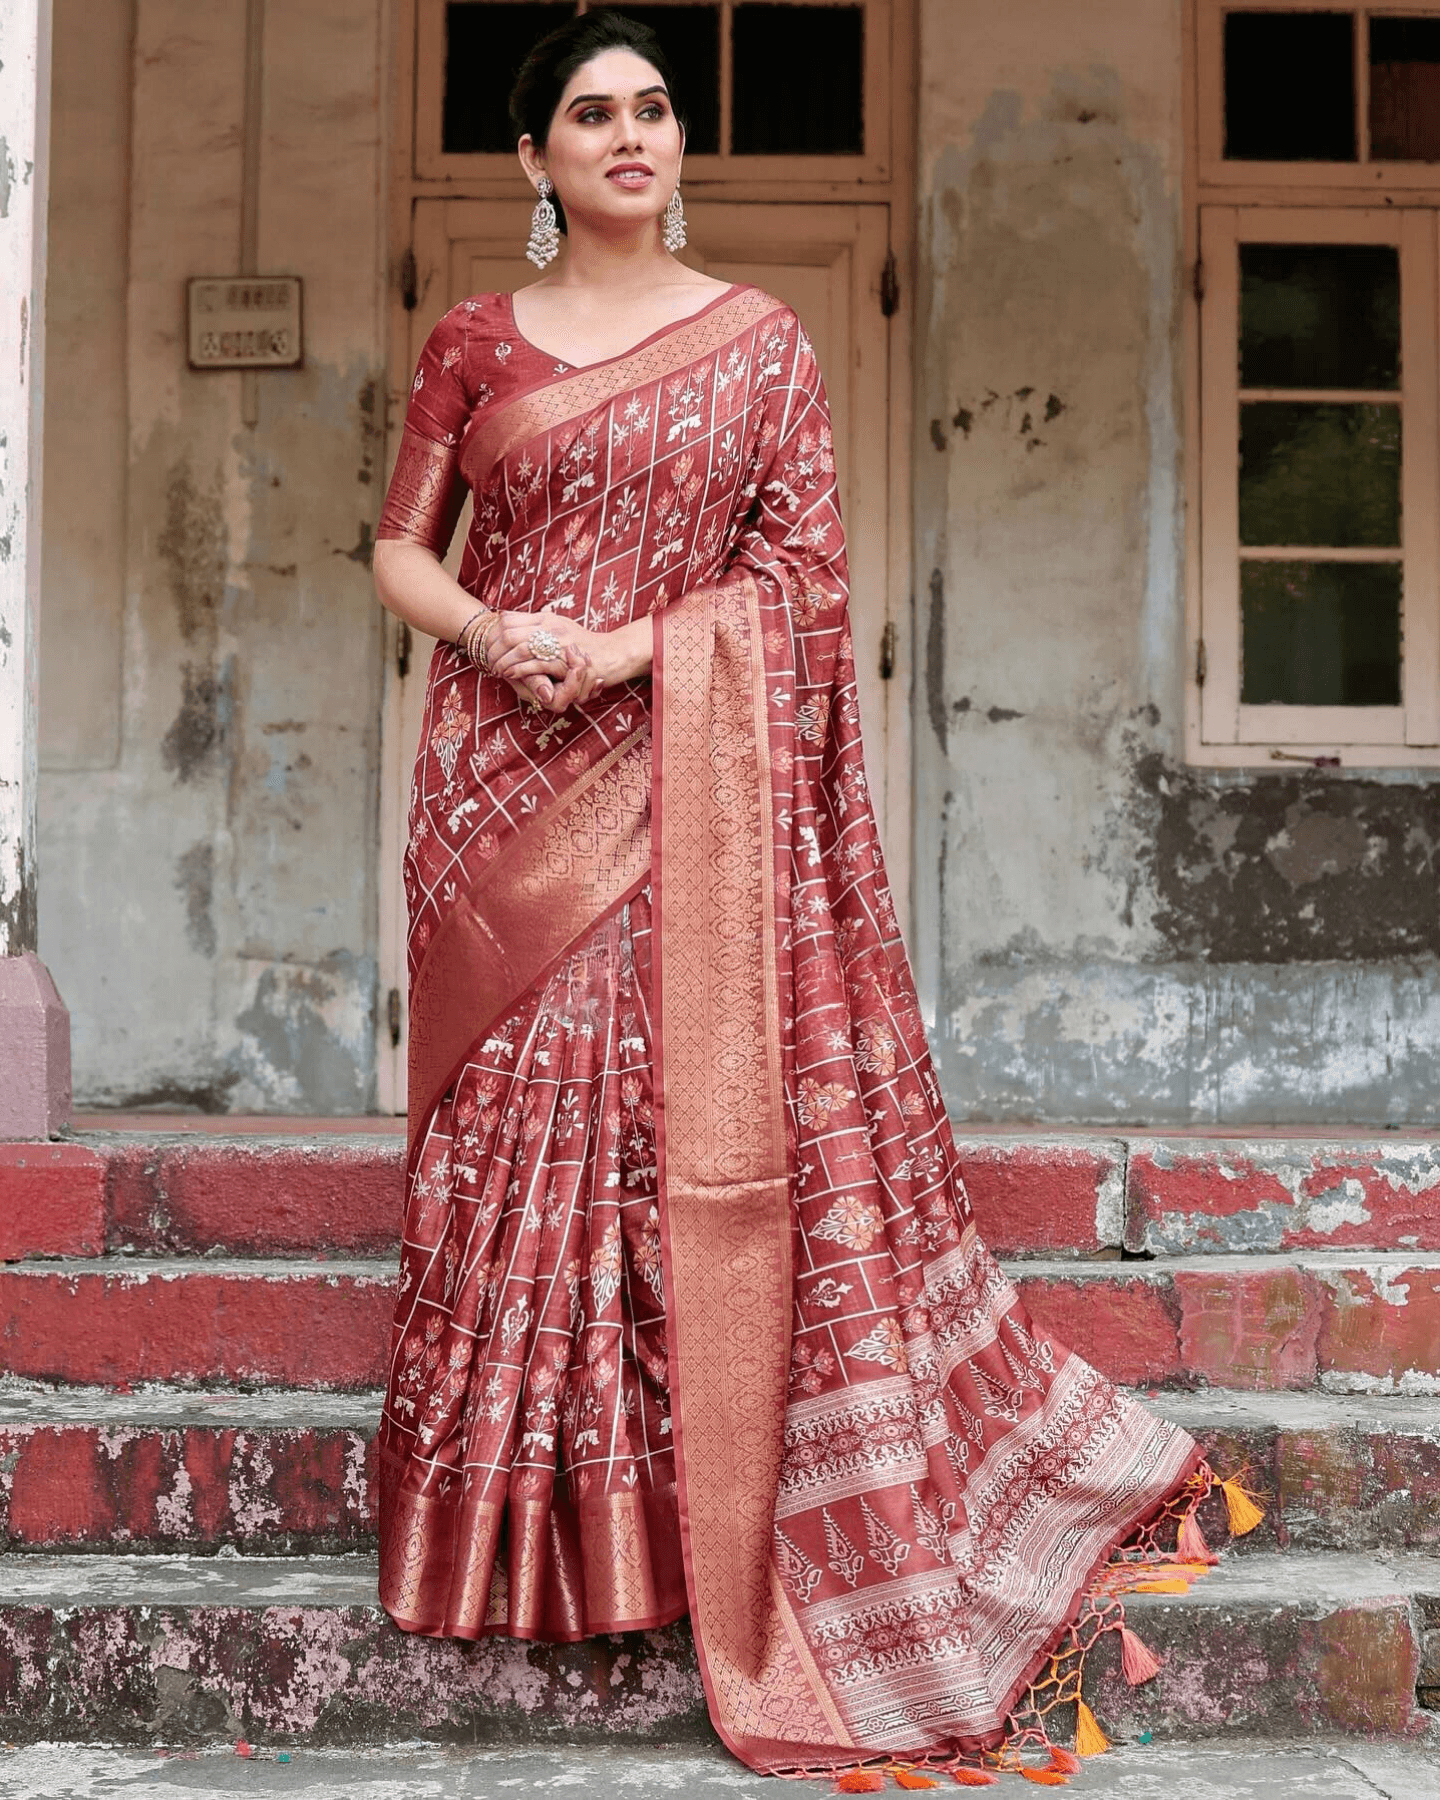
column 511, row 425
column 550, row 884
column 724, row 1168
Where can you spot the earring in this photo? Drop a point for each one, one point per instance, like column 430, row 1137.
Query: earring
column 544, row 245
column 672, row 228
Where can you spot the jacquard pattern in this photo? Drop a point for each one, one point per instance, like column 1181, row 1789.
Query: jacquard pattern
column 702, row 1229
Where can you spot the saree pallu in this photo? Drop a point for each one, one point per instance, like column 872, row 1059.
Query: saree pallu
column 693, row 1314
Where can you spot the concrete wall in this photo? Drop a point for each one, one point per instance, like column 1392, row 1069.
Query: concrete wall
column 211, row 650
column 1103, row 934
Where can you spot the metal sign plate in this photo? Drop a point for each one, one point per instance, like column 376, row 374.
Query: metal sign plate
column 245, row 322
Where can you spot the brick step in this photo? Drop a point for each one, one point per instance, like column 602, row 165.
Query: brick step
column 279, row 1472
column 248, row 1322
column 1326, row 1318
column 288, row 1471
column 164, row 1649
column 259, row 1193
column 1352, row 1326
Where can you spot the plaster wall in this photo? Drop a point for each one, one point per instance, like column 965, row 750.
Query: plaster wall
column 1101, row 933
column 211, row 658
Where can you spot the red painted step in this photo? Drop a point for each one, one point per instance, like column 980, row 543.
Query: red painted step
column 118, row 1322
column 1250, row 1321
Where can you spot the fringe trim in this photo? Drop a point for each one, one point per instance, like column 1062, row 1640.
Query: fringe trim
column 1143, row 1565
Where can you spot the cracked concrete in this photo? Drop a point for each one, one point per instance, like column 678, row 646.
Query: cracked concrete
column 1135, row 1772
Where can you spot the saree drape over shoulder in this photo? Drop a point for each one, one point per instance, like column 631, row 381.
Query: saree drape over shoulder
column 692, row 1313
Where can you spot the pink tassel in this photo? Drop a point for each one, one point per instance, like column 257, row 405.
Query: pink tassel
column 1137, row 1662
column 1191, row 1546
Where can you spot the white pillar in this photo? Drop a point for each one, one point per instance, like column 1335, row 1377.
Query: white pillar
column 34, row 1027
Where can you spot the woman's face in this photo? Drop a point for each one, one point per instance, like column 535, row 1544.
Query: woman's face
column 615, row 144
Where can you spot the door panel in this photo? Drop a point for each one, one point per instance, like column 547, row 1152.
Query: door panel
column 825, row 261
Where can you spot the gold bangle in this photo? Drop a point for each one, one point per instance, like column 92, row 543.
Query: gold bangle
column 482, row 655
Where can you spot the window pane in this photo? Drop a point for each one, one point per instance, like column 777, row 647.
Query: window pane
column 1405, row 90
column 1319, row 474
column 1320, row 634
column 1319, row 315
column 484, row 48
column 690, row 37
column 1290, row 87
column 798, row 80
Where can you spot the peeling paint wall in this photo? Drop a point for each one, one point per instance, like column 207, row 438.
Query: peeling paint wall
column 211, row 676
column 1103, row 934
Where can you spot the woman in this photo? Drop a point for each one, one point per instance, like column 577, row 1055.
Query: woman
column 692, row 1311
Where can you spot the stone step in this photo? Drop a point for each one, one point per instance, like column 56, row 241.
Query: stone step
column 168, row 1649
column 1326, row 1318
column 247, row 1322
column 268, row 1192
column 287, row 1471
column 1346, row 1323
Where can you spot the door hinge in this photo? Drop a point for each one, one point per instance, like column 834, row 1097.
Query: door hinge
column 890, row 286
column 402, row 649
column 409, row 281
column 887, row 650
column 1197, row 281
column 1200, row 663
column 392, row 1011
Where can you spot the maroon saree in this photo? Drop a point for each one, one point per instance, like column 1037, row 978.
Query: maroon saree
column 692, row 1312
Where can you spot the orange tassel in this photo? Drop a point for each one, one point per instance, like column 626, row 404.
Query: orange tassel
column 912, row 1778
column 1066, row 1761
column 1192, row 1546
column 974, row 1777
column 1161, row 1587
column 1137, row 1662
column 861, row 1781
column 1090, row 1740
column 1046, row 1777
column 1244, row 1514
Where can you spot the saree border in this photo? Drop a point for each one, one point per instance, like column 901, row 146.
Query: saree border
column 553, row 881
column 673, row 348
column 724, row 1170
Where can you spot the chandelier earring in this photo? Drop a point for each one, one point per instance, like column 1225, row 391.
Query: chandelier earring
column 672, row 226
column 544, row 245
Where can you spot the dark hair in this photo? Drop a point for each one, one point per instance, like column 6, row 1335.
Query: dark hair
column 545, row 73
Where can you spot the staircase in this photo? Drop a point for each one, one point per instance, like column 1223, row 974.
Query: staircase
column 194, row 1326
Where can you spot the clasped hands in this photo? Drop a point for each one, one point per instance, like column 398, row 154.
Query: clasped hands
column 553, row 662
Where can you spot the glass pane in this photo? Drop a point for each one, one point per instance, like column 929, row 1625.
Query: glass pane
column 484, row 48
column 1320, row 634
column 798, row 80
column 1290, row 87
column 1405, row 90
column 1319, row 474
column 1319, row 315
column 690, row 36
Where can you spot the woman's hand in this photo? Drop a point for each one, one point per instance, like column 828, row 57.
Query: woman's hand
column 585, row 662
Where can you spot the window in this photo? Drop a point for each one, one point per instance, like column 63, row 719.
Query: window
column 762, row 79
column 1317, row 604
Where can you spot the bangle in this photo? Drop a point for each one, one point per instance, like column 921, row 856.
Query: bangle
column 483, row 636
column 471, row 632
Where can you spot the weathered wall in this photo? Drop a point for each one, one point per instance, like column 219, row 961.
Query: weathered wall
column 211, row 666
column 1103, row 934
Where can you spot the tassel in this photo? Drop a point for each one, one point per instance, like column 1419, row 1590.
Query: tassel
column 1192, row 1546
column 1066, row 1761
column 1090, row 1740
column 974, row 1777
column 1046, row 1777
column 861, row 1781
column 1137, row 1663
column 1244, row 1514
column 912, row 1778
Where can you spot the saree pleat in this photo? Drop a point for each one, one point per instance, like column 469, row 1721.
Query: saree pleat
column 693, row 1314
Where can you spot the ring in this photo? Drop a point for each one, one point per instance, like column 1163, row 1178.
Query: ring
column 544, row 646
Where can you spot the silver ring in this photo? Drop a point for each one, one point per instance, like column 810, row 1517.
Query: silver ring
column 544, row 646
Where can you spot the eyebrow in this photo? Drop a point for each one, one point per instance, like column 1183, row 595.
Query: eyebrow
column 640, row 94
